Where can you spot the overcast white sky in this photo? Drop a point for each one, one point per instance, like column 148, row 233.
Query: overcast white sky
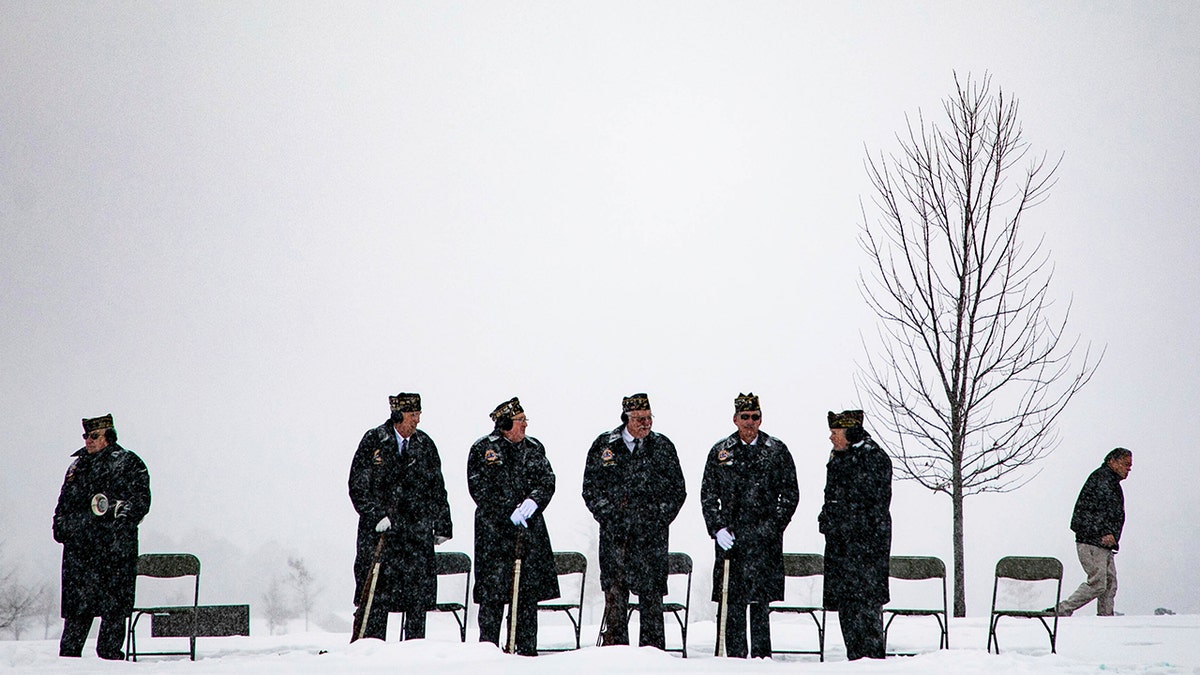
column 239, row 227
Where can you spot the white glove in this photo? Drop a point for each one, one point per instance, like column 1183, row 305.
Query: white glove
column 384, row 525
column 724, row 539
column 522, row 513
column 527, row 508
column 438, row 540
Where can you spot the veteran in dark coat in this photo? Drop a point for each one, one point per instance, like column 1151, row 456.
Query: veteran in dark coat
column 397, row 487
column 104, row 497
column 512, row 483
column 633, row 485
column 857, row 523
column 1098, row 519
column 748, row 497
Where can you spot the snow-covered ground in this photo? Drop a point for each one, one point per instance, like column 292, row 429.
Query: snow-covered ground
column 1087, row 644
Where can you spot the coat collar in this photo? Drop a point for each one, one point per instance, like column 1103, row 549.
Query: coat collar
column 765, row 440
column 108, row 450
column 497, row 438
column 387, row 437
column 616, row 439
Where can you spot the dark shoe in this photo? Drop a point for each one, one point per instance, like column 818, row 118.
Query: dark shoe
column 1055, row 610
column 112, row 656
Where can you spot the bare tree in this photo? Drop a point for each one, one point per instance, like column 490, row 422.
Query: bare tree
column 276, row 606
column 18, row 600
column 47, row 608
column 302, row 582
column 19, row 603
column 971, row 370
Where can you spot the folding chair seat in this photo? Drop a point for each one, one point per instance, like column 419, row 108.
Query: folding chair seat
column 1029, row 569
column 167, row 566
column 568, row 563
column 800, row 566
column 920, row 568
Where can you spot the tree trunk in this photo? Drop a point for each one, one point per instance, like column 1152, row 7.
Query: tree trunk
column 960, row 584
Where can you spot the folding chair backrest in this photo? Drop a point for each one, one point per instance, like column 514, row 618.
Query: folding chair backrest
column 452, row 562
column 916, row 568
column 570, row 562
column 679, row 563
column 803, row 564
column 1029, row 568
column 168, row 565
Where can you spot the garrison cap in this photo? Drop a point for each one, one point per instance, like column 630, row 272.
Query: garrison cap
column 510, row 409
column 847, row 419
column 746, row 402
column 98, row 423
column 635, row 402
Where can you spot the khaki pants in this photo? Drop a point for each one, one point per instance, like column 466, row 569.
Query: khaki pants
column 1100, row 566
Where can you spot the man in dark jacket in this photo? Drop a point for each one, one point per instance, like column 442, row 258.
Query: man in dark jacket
column 857, row 523
column 512, row 483
column 104, row 497
column 634, row 488
column 1097, row 522
column 397, row 488
column 748, row 497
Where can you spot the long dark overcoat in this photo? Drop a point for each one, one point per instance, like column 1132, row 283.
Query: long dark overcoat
column 751, row 490
column 501, row 475
column 634, row 497
column 857, row 523
column 409, row 489
column 1100, row 508
column 99, row 563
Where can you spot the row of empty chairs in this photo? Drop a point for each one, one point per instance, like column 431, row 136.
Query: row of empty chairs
column 796, row 566
column 195, row 620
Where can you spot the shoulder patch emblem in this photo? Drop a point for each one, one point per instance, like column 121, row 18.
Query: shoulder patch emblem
column 607, row 456
column 377, row 457
column 724, row 456
column 492, row 457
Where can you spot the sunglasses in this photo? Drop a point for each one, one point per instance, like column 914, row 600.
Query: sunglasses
column 93, row 436
column 747, row 416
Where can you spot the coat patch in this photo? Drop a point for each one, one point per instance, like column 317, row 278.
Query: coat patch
column 607, row 456
column 492, row 457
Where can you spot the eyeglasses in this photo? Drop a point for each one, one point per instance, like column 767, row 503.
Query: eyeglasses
column 93, row 436
column 747, row 416
column 521, row 419
column 641, row 419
